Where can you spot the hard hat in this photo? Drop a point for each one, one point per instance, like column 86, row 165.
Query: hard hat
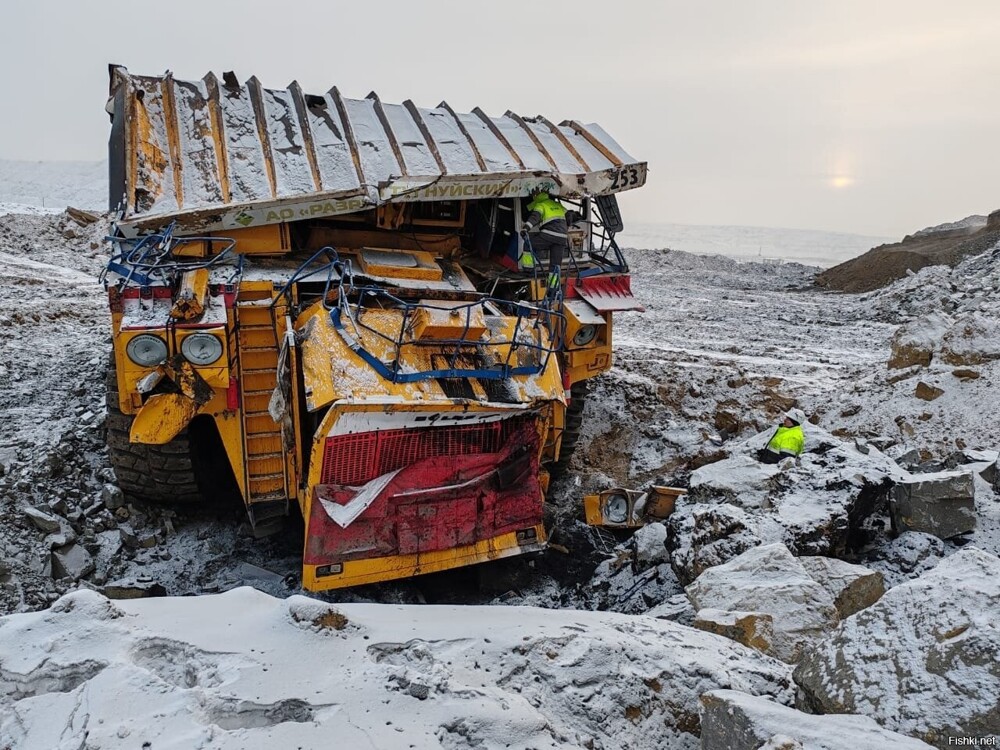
column 539, row 191
column 796, row 415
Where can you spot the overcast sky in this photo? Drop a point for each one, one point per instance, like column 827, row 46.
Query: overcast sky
column 847, row 115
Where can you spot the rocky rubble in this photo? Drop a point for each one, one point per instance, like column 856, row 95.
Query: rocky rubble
column 922, row 660
column 943, row 366
column 827, row 502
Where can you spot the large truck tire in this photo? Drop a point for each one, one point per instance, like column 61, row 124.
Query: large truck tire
column 574, row 423
column 159, row 473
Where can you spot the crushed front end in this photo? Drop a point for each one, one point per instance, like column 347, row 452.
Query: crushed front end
column 431, row 420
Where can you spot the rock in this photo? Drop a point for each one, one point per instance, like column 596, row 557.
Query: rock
column 910, row 459
column 133, row 539
column 71, row 561
column 676, row 608
column 922, row 660
column 740, row 478
column 701, row 536
column 926, row 392
column 941, row 504
column 852, row 587
column 769, row 580
column 133, row 588
column 964, row 373
column 984, row 463
column 907, row 556
column 913, row 344
column 61, row 538
column 248, row 571
column 128, row 535
column 46, row 522
column 753, row 629
column 650, row 544
column 107, row 547
column 973, row 340
column 112, row 496
column 731, row 720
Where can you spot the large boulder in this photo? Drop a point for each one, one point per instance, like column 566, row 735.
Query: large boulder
column 852, row 587
column 914, row 343
column 768, row 580
column 731, row 720
column 923, row 660
column 942, row 504
column 973, row 340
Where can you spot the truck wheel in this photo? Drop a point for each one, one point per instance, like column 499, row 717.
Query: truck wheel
column 574, row 422
column 160, row 473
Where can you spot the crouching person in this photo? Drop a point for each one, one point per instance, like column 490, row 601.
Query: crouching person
column 787, row 440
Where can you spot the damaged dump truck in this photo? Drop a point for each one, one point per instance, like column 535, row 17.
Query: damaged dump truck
column 313, row 303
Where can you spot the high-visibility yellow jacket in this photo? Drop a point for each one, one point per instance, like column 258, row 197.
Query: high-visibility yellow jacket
column 788, row 440
column 544, row 209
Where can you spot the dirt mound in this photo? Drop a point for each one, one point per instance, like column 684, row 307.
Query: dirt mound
column 947, row 245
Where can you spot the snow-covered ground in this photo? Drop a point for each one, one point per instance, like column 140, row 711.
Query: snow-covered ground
column 724, row 347
column 243, row 670
column 761, row 244
column 54, row 184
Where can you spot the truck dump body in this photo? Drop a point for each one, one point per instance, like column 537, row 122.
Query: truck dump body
column 217, row 155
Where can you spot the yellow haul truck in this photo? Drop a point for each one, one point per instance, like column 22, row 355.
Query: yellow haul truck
column 313, row 298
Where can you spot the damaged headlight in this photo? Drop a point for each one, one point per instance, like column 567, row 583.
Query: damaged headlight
column 201, row 348
column 146, row 350
column 585, row 335
column 616, row 508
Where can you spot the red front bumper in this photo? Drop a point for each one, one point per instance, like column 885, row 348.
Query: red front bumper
column 462, row 486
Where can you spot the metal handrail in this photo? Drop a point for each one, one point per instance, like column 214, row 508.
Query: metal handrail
column 544, row 315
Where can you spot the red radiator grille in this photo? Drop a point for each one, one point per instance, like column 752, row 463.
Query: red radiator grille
column 359, row 458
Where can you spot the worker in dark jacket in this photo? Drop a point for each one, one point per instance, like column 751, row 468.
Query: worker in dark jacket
column 546, row 226
column 787, row 441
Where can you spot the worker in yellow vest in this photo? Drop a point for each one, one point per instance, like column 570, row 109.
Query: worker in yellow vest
column 787, row 441
column 545, row 230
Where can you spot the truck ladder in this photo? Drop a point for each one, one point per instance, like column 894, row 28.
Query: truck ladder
column 265, row 466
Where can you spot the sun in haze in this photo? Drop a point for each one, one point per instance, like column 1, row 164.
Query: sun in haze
column 840, row 181
column 840, row 167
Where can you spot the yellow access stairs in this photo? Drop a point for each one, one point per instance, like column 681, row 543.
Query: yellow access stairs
column 266, row 477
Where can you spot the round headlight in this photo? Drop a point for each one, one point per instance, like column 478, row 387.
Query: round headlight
column 201, row 348
column 616, row 508
column 146, row 350
column 585, row 335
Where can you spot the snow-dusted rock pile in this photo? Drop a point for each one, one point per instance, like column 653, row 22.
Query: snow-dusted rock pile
column 924, row 660
column 821, row 504
column 244, row 670
column 943, row 363
column 779, row 604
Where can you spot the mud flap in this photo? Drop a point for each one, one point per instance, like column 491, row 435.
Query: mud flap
column 162, row 418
